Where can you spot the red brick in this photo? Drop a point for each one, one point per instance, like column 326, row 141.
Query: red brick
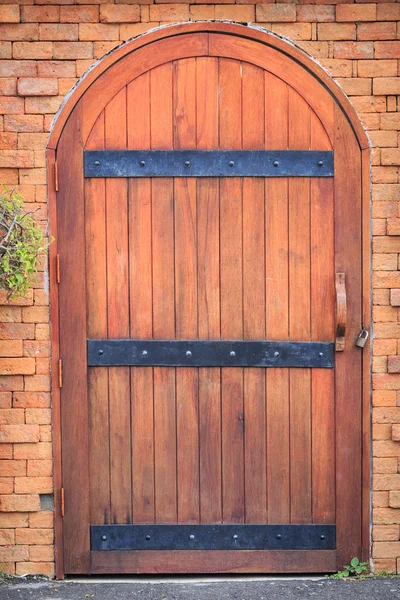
column 30, row 123
column 42, row 450
column 17, row 68
column 41, row 520
column 11, row 105
column 40, row 14
column 40, row 468
column 19, row 433
column 13, row 503
column 9, row 13
column 8, row 86
column 336, row 31
column 377, row 68
column 56, row 69
column 388, row 12
column 11, row 416
column 386, row 85
column 316, row 49
column 377, row 31
column 27, row 32
column 37, row 50
column 33, row 485
column 5, row 50
column 5, row 399
column 35, row 568
column 79, row 14
column 98, row 31
column 8, row 176
column 352, row 12
column 275, row 12
column 72, row 51
column 57, row 32
column 338, row 67
column 110, row 13
column 36, row 349
column 387, row 49
column 15, row 331
column 37, row 87
column 12, row 314
column 309, row 13
column 180, row 12
column 354, row 50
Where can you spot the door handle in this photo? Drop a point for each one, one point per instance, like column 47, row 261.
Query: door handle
column 341, row 311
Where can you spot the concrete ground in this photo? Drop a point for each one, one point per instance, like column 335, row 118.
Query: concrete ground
column 203, row 589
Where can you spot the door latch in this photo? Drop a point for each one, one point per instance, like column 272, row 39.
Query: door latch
column 362, row 338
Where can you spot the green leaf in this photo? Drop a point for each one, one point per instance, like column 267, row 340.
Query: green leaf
column 354, row 562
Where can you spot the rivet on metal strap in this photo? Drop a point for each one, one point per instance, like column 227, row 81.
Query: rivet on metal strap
column 104, row 537
column 187, row 163
column 101, row 352
column 188, row 353
column 231, row 163
column 144, row 353
column 276, row 353
column 191, row 537
column 320, row 163
column 96, row 163
column 232, row 353
column 276, row 163
column 147, row 537
column 142, row 163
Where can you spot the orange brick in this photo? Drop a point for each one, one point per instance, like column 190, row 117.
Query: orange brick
column 354, row 86
column 14, row 503
column 387, row 49
column 34, row 536
column 31, row 123
column 13, row 553
column 384, row 565
column 45, row 433
column 99, row 31
column 352, row 12
column 36, row 349
column 11, row 348
column 384, row 262
column 56, row 32
column 377, row 68
column 385, row 533
column 202, row 13
column 390, row 156
column 386, row 549
column 384, row 347
column 336, row 31
column 35, row 568
column 16, row 158
column 376, row 31
column 6, row 485
column 5, row 399
column 294, row 31
column 381, row 431
column 42, row 450
column 9, row 13
column 390, row 121
column 275, row 12
column 19, row 433
column 40, row 416
column 35, row 314
column 387, row 482
column 382, row 139
column 386, row 85
column 110, row 13
column 41, row 520
column 33, row 485
column 101, row 48
column 388, row 12
column 7, row 140
column 384, row 465
column 79, row 14
column 180, row 12
column 44, row 104
column 127, row 31
column 17, row 366
column 65, row 50
column 309, row 13
column 316, row 49
column 37, row 383
column 386, row 415
column 31, row 400
column 353, row 50
column 7, row 537
column 40, row 468
column 37, row 87
column 41, row 553
column 13, row 383
column 8, row 86
column 383, row 448
column 27, row 32
column 12, row 416
column 6, row 451
column 380, row 499
column 396, row 434
column 338, row 67
column 42, row 331
column 5, row 50
column 386, row 516
column 11, row 520
column 29, row 50
column 11, row 105
column 40, row 14
column 369, row 103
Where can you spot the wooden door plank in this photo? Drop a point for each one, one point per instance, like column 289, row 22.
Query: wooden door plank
column 231, row 244
column 141, row 301
column 184, row 107
column 277, row 301
column 208, row 294
column 299, row 316
column 118, row 316
column 163, row 299
column 348, row 379
column 322, row 324
column 254, row 299
column 96, row 303
column 72, row 295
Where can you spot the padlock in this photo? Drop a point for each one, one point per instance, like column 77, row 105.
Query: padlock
column 362, row 338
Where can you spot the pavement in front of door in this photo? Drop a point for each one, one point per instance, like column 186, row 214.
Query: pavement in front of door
column 203, row 589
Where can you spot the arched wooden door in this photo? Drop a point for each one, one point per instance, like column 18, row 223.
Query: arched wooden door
column 207, row 422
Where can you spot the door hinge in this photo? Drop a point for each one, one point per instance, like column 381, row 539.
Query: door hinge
column 62, row 502
column 60, row 373
column 58, row 276
column 56, row 176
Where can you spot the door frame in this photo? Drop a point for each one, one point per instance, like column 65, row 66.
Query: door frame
column 310, row 65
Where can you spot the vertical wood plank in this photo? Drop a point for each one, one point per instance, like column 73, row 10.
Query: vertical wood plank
column 96, row 302
column 254, row 298
column 141, row 301
column 299, row 316
column 72, row 295
column 322, row 324
column 163, row 299
column 231, row 245
column 118, row 317
column 208, row 286
column 348, row 363
column 277, row 303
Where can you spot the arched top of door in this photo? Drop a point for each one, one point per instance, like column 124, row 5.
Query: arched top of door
column 222, row 39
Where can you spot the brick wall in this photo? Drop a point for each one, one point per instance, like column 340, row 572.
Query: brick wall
column 45, row 46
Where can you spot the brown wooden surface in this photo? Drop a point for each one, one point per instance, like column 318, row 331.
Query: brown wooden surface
column 234, row 258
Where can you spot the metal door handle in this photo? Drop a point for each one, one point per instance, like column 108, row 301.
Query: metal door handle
column 341, row 311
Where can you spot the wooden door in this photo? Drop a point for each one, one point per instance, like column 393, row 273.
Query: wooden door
column 209, row 455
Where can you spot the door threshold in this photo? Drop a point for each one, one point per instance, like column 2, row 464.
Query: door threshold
column 196, row 580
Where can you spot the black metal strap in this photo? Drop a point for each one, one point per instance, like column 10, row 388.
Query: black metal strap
column 208, row 163
column 213, row 537
column 205, row 353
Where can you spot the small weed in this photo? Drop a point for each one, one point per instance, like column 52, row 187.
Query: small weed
column 354, row 569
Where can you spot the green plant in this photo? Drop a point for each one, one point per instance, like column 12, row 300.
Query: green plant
column 354, row 569
column 21, row 241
